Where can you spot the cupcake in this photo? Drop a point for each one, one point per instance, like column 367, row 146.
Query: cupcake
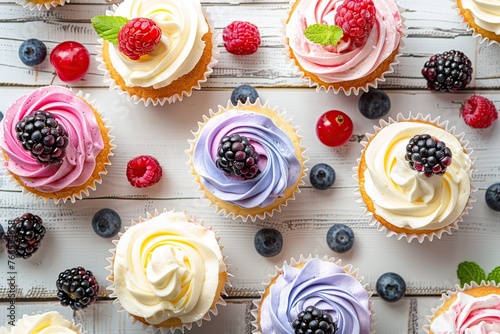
column 482, row 18
column 415, row 177
column 323, row 285
column 65, row 163
column 180, row 61
column 47, row 322
column 247, row 160
column 168, row 272
column 330, row 55
column 471, row 309
column 41, row 4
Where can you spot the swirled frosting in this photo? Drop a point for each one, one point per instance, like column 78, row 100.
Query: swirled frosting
column 321, row 284
column 85, row 140
column 279, row 166
column 342, row 62
column 409, row 199
column 46, row 323
column 182, row 24
column 167, row 267
column 469, row 315
column 486, row 13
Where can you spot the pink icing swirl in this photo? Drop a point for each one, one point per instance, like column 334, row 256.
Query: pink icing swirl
column 85, row 140
column 343, row 62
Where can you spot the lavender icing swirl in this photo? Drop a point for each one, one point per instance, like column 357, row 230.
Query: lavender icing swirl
column 279, row 166
column 322, row 284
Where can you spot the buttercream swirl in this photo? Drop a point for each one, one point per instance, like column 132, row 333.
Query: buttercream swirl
column 469, row 315
column 182, row 24
column 167, row 267
column 409, row 199
column 319, row 283
column 486, row 13
column 45, row 323
column 343, row 62
column 85, row 140
column 278, row 163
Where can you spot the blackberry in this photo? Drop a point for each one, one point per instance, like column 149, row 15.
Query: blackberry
column 43, row 136
column 77, row 288
column 235, row 155
column 428, row 155
column 448, row 72
column 314, row 321
column 24, row 235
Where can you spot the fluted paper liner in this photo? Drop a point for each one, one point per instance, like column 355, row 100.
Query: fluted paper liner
column 107, row 79
column 434, row 233
column 384, row 68
column 76, row 192
column 348, row 268
column 472, row 27
column 41, row 6
column 152, row 328
column 451, row 293
column 233, row 210
column 76, row 326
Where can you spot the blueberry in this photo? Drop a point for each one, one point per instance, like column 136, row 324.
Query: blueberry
column 322, row 176
column 374, row 104
column 106, row 223
column 32, row 52
column 1, row 116
column 340, row 238
column 492, row 196
column 391, row 287
column 268, row 242
column 241, row 93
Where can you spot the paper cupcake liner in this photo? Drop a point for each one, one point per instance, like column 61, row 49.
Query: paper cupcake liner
column 302, row 260
column 7, row 328
column 471, row 29
column 107, row 79
column 152, row 328
column 350, row 90
column 228, row 210
column 435, row 233
column 41, row 6
column 450, row 293
column 77, row 193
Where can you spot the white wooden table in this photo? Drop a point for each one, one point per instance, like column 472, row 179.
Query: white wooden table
column 428, row 268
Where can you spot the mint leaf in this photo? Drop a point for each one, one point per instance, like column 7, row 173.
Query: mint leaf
column 494, row 275
column 108, row 27
column 470, row 271
column 324, row 34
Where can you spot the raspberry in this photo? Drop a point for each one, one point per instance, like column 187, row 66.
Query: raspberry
column 356, row 18
column 241, row 38
column 24, row 235
column 235, row 155
column 479, row 112
column 143, row 171
column 77, row 288
column 428, row 155
column 448, row 72
column 138, row 37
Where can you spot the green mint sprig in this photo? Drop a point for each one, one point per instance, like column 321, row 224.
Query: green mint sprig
column 108, row 27
column 324, row 34
column 469, row 271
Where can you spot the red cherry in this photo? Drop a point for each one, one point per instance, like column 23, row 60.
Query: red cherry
column 334, row 128
column 71, row 61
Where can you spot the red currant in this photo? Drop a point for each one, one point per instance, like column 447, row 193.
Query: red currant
column 334, row 128
column 71, row 61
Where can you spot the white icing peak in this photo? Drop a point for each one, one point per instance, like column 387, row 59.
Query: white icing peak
column 167, row 267
column 409, row 199
column 486, row 13
column 44, row 323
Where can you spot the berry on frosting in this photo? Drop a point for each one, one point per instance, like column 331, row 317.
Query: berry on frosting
column 241, row 38
column 356, row 18
column 24, row 235
column 138, row 37
column 428, row 155
column 77, row 288
column 42, row 135
column 237, row 156
column 314, row 321
column 143, row 171
column 448, row 71
column 479, row 112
